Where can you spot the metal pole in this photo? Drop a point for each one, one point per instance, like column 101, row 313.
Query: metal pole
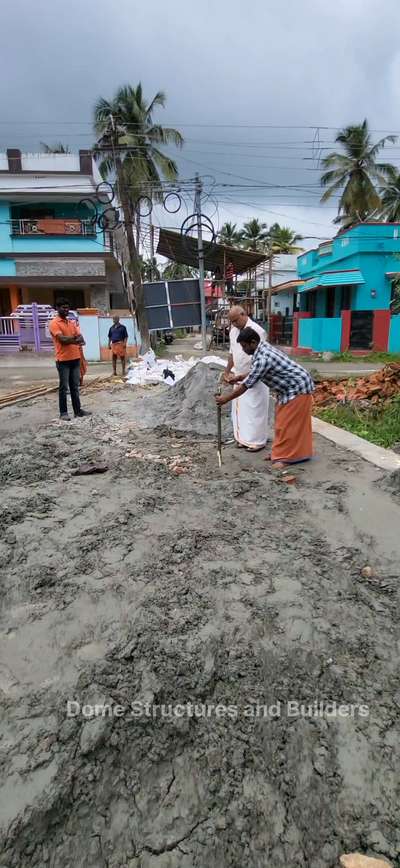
column 151, row 248
column 200, row 253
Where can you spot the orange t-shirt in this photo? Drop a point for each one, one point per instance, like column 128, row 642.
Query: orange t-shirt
column 68, row 328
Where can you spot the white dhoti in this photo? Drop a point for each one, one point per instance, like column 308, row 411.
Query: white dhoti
column 250, row 417
column 250, row 411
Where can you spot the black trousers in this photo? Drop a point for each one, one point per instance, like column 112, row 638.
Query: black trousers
column 69, row 374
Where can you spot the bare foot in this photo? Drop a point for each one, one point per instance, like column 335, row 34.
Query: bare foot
column 279, row 465
column 268, row 457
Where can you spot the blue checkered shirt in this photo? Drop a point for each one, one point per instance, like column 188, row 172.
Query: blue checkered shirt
column 274, row 368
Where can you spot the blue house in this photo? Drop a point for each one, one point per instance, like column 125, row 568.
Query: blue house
column 48, row 243
column 347, row 292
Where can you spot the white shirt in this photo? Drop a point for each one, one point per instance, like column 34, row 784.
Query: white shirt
column 241, row 361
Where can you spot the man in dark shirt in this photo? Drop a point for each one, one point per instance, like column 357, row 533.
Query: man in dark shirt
column 117, row 340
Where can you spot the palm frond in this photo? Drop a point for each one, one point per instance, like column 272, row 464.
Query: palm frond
column 165, row 136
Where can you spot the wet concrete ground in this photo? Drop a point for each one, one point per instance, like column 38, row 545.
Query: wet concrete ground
column 226, row 593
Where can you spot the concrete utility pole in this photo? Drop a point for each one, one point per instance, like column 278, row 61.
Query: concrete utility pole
column 134, row 261
column 200, row 253
column 269, row 306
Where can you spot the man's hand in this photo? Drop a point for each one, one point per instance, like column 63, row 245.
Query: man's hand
column 228, row 377
column 80, row 340
column 237, row 379
column 221, row 399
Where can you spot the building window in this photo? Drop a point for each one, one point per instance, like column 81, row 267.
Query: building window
column 324, row 249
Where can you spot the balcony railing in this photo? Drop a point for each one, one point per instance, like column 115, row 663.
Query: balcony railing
column 52, row 226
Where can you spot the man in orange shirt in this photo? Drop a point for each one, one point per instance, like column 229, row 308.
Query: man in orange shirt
column 67, row 341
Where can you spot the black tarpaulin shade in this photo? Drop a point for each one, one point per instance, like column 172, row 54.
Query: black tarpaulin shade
column 183, row 249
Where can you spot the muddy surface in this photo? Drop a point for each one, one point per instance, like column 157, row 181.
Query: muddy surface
column 227, row 594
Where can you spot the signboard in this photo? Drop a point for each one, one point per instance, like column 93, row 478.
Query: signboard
column 172, row 304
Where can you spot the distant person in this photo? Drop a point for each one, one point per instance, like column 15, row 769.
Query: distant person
column 68, row 343
column 229, row 275
column 250, row 410
column 293, row 387
column 117, row 341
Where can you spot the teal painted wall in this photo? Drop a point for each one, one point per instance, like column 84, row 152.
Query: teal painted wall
column 43, row 244
column 305, row 333
column 59, row 244
column 374, row 249
column 7, row 268
column 320, row 334
column 394, row 335
column 5, row 239
column 327, row 333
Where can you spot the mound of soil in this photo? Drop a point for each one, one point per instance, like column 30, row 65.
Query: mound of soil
column 190, row 405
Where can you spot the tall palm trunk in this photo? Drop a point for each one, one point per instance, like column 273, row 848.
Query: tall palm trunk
column 134, row 261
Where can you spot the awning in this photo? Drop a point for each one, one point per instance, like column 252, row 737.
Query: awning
column 288, row 286
column 352, row 277
column 184, row 249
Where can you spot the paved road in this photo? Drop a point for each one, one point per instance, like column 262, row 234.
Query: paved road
column 16, row 376
column 186, row 348
column 19, row 371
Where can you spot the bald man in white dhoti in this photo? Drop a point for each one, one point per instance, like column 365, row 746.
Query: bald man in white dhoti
column 249, row 411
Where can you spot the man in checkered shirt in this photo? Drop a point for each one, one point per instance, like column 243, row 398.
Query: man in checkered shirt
column 293, row 387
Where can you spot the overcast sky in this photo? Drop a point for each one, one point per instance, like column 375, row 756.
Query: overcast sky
column 229, row 68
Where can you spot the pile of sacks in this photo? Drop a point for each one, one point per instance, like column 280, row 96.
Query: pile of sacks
column 149, row 370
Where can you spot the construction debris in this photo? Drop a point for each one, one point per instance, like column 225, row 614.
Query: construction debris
column 177, row 465
column 377, row 388
column 88, row 469
column 367, row 572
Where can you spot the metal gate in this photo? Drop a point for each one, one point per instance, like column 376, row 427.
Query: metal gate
column 281, row 330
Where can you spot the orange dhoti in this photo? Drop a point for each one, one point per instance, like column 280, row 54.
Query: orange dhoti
column 293, row 431
column 119, row 349
column 83, row 367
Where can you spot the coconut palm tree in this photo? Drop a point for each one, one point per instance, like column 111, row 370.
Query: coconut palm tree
column 178, row 271
column 284, row 239
column 254, row 234
column 128, row 147
column 229, row 235
column 281, row 239
column 57, row 148
column 138, row 139
column 390, row 196
column 354, row 172
column 150, row 269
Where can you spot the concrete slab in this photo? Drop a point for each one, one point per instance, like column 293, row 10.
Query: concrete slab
column 386, row 459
